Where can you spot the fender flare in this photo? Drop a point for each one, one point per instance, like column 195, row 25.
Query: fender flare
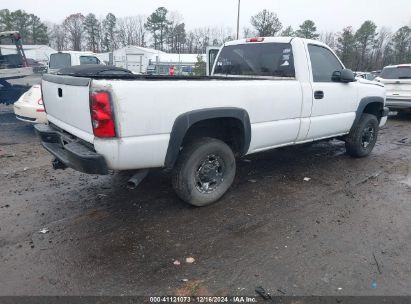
column 186, row 120
column 364, row 103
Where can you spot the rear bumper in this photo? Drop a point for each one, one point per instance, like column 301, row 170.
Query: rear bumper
column 30, row 114
column 71, row 152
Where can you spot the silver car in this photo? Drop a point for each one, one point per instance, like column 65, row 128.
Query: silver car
column 397, row 81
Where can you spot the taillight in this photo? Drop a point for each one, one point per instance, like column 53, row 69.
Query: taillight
column 102, row 114
column 255, row 39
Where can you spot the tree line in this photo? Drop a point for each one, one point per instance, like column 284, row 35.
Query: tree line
column 365, row 48
column 30, row 26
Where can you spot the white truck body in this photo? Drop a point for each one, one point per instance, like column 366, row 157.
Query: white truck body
column 281, row 110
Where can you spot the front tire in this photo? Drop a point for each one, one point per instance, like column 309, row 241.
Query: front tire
column 363, row 137
column 204, row 171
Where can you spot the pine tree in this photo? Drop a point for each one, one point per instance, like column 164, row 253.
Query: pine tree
column 109, row 42
column 307, row 30
column 346, row 46
column 266, row 23
column 92, row 28
column 157, row 23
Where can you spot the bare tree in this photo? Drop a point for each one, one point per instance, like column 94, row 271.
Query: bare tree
column 380, row 44
column 131, row 31
column 248, row 32
column 329, row 38
column 73, row 25
column 57, row 36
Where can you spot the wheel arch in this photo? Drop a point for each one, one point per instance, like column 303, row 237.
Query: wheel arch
column 371, row 105
column 185, row 121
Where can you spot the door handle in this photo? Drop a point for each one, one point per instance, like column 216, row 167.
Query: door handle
column 318, row 94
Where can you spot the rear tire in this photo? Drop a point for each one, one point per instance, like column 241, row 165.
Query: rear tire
column 204, row 171
column 363, row 137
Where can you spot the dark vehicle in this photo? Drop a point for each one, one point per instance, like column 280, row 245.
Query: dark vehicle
column 13, row 65
column 38, row 68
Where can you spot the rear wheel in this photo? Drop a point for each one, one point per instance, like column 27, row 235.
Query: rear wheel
column 204, row 171
column 363, row 137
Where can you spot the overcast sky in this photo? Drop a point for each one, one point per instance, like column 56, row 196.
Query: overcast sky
column 329, row 15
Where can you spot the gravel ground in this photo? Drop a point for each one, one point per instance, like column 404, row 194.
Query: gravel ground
column 347, row 231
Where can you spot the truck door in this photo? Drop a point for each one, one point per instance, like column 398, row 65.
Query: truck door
column 333, row 108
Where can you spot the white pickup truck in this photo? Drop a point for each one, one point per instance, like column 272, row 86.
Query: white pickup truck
column 263, row 93
column 66, row 59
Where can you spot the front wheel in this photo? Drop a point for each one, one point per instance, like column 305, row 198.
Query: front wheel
column 363, row 137
column 204, row 171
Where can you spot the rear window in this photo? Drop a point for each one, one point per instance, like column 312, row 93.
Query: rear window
column 259, row 59
column 396, row 73
column 59, row 61
column 89, row 60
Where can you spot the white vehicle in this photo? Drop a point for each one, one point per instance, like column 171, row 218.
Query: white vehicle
column 66, row 59
column 365, row 75
column 397, row 81
column 29, row 107
column 263, row 93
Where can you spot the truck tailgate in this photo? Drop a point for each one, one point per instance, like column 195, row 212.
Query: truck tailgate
column 66, row 100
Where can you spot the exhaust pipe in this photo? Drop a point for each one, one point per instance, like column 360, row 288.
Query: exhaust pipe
column 136, row 179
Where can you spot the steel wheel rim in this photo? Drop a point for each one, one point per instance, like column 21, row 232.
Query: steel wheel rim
column 209, row 174
column 368, row 136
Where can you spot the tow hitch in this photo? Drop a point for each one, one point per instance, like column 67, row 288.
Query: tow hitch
column 58, row 165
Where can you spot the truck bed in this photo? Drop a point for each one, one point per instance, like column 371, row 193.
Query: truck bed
column 114, row 73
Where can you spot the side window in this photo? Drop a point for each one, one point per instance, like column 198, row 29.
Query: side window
column 323, row 63
column 89, row 60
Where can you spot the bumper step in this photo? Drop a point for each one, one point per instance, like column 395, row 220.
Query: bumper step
column 73, row 154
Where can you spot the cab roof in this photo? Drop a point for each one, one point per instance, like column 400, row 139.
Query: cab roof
column 75, row 53
column 405, row 65
column 275, row 40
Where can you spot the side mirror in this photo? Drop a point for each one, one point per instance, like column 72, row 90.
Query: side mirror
column 344, row 76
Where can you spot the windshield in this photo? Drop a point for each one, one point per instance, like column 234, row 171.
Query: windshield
column 396, row 73
column 60, row 60
column 262, row 59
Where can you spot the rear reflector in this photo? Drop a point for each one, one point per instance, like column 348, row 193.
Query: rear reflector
column 255, row 39
column 102, row 114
